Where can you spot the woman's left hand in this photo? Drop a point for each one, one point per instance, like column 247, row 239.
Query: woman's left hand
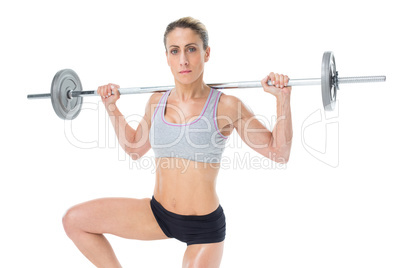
column 279, row 84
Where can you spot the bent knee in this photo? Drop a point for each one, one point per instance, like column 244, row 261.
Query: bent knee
column 70, row 220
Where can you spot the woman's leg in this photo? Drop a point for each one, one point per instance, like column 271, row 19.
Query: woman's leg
column 129, row 218
column 203, row 255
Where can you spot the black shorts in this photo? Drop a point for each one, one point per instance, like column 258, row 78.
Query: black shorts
column 210, row 228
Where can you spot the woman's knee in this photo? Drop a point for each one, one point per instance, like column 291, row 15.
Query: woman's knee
column 70, row 221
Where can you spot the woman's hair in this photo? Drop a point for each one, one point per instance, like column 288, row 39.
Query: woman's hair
column 193, row 24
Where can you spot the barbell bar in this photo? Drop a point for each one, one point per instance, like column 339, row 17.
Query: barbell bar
column 66, row 90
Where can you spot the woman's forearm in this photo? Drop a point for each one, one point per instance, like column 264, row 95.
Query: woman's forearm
column 282, row 133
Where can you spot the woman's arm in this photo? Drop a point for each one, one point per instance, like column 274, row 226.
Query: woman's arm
column 275, row 145
column 282, row 133
column 134, row 142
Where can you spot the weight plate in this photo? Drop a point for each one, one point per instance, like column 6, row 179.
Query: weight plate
column 328, row 87
column 66, row 107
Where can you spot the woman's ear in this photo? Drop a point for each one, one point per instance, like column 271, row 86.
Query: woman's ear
column 207, row 54
column 167, row 59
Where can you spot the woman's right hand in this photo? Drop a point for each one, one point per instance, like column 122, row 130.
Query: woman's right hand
column 105, row 92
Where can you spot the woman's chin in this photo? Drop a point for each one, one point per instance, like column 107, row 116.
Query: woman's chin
column 187, row 81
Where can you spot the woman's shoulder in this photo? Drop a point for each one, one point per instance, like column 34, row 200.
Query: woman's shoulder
column 228, row 105
column 228, row 101
column 155, row 97
column 152, row 104
column 154, row 100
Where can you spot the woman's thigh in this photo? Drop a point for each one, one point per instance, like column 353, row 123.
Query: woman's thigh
column 124, row 217
column 203, row 255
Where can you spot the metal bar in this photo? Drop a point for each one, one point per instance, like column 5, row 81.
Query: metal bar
column 125, row 91
column 250, row 84
column 361, row 79
column 39, row 96
column 255, row 84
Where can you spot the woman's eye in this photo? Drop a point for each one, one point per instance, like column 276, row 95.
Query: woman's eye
column 191, row 49
column 173, row 51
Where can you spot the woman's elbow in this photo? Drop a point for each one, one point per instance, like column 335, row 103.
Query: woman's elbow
column 134, row 154
column 281, row 159
column 280, row 156
column 135, row 157
column 284, row 160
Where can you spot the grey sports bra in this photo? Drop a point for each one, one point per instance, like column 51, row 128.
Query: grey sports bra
column 199, row 140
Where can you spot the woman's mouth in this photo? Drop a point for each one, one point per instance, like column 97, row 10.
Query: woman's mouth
column 185, row 71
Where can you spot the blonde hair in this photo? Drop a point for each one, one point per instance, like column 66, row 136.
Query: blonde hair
column 193, row 24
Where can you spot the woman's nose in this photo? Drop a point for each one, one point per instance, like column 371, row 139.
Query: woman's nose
column 183, row 59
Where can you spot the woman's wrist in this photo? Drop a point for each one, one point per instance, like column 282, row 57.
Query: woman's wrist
column 111, row 108
column 283, row 97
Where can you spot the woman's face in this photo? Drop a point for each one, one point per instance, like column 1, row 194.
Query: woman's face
column 186, row 55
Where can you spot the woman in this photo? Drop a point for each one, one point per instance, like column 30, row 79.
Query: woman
column 187, row 127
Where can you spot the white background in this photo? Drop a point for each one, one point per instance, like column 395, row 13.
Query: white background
column 337, row 203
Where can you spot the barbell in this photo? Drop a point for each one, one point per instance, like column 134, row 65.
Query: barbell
column 66, row 90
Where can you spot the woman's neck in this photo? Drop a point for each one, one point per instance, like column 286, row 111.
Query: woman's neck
column 184, row 92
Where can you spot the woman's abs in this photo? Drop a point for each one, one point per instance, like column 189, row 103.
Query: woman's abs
column 186, row 187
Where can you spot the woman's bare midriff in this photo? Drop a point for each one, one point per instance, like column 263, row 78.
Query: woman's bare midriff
column 186, row 187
